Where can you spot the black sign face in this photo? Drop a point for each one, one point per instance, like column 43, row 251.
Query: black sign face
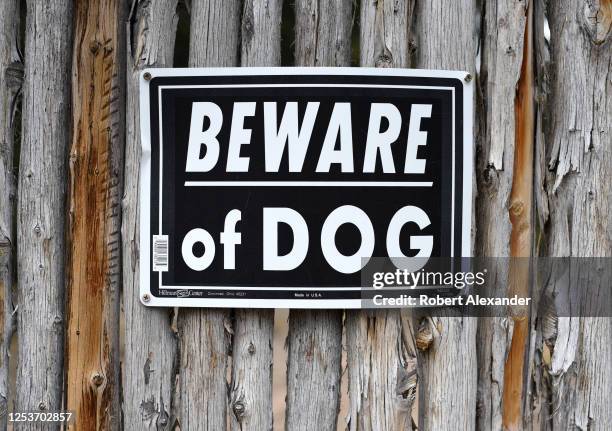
column 274, row 187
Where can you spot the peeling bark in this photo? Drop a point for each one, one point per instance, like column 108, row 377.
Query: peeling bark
column 11, row 70
column 577, row 126
column 41, row 212
column 149, row 366
column 251, row 385
column 204, row 343
column 447, row 39
column 382, row 371
column 521, row 236
column 505, row 95
column 382, row 374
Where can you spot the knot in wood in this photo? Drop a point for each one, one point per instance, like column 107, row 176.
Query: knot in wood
column 97, row 379
column 384, row 60
column 424, row 336
column 251, row 349
column 42, row 406
column 239, row 409
column 412, row 46
column 13, row 75
column 517, row 208
column 94, row 46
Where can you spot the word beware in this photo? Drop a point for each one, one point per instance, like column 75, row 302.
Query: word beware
column 292, row 134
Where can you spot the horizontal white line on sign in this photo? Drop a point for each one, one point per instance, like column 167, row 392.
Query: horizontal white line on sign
column 309, row 183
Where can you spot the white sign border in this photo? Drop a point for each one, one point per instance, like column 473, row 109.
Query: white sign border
column 145, row 174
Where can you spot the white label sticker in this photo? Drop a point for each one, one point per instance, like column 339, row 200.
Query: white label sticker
column 160, row 253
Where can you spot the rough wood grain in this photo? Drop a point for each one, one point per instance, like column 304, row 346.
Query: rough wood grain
column 96, row 164
column 204, row 342
column 521, row 236
column 382, row 371
column 41, row 212
column 503, row 35
column 384, row 33
column 381, row 364
column 11, row 70
column 149, row 366
column 251, row 383
column 578, row 156
column 446, row 33
column 323, row 32
column 322, row 38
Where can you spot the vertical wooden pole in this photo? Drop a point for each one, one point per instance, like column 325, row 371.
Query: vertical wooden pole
column 150, row 349
column 381, row 366
column 521, row 236
column 504, row 53
column 251, row 385
column 41, row 212
column 11, row 70
column 447, row 39
column 322, row 38
column 204, row 341
column 96, row 163
column 578, row 166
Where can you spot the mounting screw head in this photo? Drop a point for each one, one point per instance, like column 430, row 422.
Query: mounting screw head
column 146, row 297
column 468, row 77
column 147, row 76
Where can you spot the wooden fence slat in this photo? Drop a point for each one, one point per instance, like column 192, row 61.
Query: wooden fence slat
column 204, row 339
column 446, row 34
column 251, row 385
column 576, row 195
column 521, row 237
column 11, row 70
column 41, row 208
column 96, row 162
column 150, row 349
column 502, row 42
column 382, row 373
column 322, row 38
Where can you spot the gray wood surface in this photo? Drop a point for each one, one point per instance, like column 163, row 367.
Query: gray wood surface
column 447, row 38
column 42, row 207
column 11, row 69
column 204, row 335
column 250, row 394
column 381, row 361
column 576, row 196
column 322, row 38
column 150, row 347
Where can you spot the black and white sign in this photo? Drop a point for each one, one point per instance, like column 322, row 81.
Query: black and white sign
column 272, row 187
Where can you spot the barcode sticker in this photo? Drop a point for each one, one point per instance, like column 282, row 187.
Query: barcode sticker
column 160, row 253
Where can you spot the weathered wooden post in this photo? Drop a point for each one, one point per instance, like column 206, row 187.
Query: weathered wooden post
column 503, row 208
column 148, row 372
column 576, row 203
column 447, row 38
column 214, row 41
column 41, row 212
column 381, row 361
column 251, row 385
column 322, row 38
column 11, row 75
column 94, row 217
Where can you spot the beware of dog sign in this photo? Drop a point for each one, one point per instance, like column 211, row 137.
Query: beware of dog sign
column 272, row 187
